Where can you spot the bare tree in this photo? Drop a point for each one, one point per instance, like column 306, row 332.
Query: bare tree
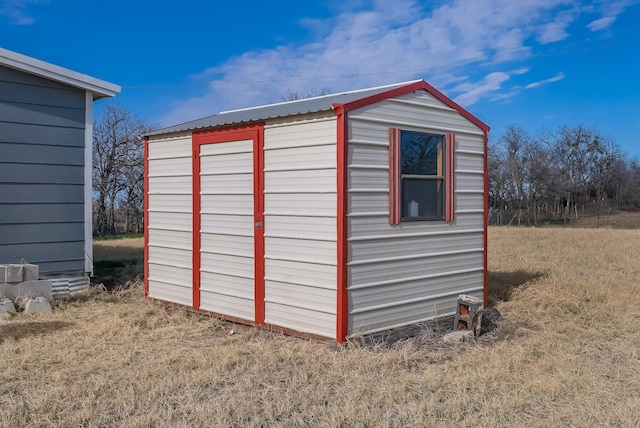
column 293, row 95
column 625, row 183
column 558, row 176
column 515, row 141
column 118, row 169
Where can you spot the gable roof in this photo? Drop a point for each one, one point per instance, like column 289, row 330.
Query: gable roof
column 343, row 101
column 27, row 64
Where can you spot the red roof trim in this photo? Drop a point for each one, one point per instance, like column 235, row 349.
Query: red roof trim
column 362, row 102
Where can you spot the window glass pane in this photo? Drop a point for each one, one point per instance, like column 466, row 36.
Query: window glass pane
column 422, row 198
column 421, row 153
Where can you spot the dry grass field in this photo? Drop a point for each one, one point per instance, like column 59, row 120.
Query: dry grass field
column 618, row 220
column 567, row 354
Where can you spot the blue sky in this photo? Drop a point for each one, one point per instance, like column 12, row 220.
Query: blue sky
column 534, row 63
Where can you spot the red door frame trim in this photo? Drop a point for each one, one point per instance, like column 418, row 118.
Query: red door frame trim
column 146, row 217
column 255, row 133
column 342, row 310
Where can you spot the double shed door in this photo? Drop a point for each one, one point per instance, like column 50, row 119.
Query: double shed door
column 228, row 254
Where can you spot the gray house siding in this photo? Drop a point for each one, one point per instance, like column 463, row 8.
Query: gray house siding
column 42, row 137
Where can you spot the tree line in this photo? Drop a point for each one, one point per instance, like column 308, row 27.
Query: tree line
column 558, row 176
column 550, row 177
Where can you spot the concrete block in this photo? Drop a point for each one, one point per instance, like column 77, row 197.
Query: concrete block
column 457, row 337
column 26, row 289
column 40, row 288
column 467, row 308
column 31, row 272
column 37, row 305
column 8, row 291
column 13, row 273
column 7, row 305
column 18, row 272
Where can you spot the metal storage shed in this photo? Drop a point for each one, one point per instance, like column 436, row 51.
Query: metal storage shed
column 46, row 128
column 332, row 216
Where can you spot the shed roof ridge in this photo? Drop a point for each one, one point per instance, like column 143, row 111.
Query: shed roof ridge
column 302, row 100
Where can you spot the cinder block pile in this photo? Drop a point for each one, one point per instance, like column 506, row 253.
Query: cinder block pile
column 19, row 284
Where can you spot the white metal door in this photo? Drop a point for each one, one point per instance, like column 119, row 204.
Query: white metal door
column 227, row 275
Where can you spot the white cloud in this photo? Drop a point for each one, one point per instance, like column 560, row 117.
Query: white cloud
column 601, row 24
column 609, row 10
column 16, row 11
column 556, row 78
column 616, row 7
column 556, row 30
column 520, row 71
column 472, row 92
column 377, row 42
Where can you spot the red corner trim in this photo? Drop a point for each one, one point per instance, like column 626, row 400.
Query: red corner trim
column 146, row 217
column 223, row 135
column 450, row 142
column 346, row 107
column 394, row 176
column 195, row 253
column 342, row 318
column 486, row 217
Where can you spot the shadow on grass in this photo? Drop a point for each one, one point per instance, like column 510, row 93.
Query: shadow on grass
column 502, row 285
column 22, row 330
column 114, row 273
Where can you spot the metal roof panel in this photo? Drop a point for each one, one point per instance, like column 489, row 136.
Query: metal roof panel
column 272, row 111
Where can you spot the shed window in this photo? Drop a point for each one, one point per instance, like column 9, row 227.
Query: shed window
column 420, row 176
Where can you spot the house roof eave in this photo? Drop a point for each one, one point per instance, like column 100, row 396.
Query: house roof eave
column 99, row 88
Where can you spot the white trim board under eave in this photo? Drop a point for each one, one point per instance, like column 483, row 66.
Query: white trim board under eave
column 88, row 184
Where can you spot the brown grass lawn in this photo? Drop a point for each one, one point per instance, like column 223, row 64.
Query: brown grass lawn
column 116, row 249
column 567, row 354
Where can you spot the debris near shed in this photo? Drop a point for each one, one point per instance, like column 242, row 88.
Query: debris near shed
column 459, row 336
column 436, row 333
column 489, row 320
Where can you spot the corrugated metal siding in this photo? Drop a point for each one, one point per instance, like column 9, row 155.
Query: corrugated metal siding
column 227, row 266
column 170, row 219
column 67, row 283
column 300, row 224
column 412, row 272
column 42, row 125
